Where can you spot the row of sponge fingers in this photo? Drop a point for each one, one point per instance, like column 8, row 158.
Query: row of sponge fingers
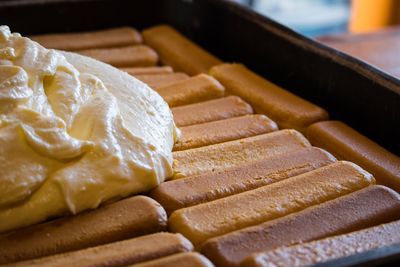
column 212, row 207
column 203, row 209
column 286, row 109
column 349, row 212
column 278, row 241
column 293, row 156
column 364, row 208
column 73, row 233
column 217, row 173
column 352, row 211
column 250, row 80
column 123, row 233
column 338, row 138
column 158, row 249
column 208, row 202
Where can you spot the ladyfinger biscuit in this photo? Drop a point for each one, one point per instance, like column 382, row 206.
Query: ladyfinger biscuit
column 346, row 143
column 233, row 153
column 195, row 89
column 163, row 79
column 120, row 253
column 148, row 70
column 329, row 248
column 189, row 259
column 224, row 130
column 115, row 37
column 364, row 208
column 123, row 219
column 181, row 193
column 212, row 110
column 126, row 56
column 177, row 51
column 221, row 216
column 285, row 108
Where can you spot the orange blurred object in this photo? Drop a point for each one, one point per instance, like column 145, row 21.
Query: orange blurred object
column 370, row 15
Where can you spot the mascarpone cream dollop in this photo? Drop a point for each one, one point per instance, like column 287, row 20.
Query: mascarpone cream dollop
column 74, row 132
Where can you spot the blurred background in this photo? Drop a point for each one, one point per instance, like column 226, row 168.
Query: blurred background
column 323, row 17
column 366, row 29
column 309, row 17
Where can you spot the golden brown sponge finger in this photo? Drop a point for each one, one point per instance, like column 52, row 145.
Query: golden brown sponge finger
column 346, row 143
column 120, row 220
column 120, row 253
column 115, row 37
column 285, row 108
column 177, row 51
column 204, row 221
column 224, row 130
column 126, row 56
column 181, row 193
column 147, row 70
column 163, row 79
column 364, row 208
column 195, row 89
column 212, row 110
column 330, row 248
column 189, row 259
column 233, row 153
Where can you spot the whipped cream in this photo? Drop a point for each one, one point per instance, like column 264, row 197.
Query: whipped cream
column 74, row 132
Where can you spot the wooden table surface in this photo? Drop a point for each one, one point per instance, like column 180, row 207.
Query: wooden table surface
column 380, row 48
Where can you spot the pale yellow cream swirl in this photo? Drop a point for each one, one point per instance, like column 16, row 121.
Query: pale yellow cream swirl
column 74, row 132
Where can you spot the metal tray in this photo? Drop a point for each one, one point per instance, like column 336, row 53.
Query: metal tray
column 351, row 90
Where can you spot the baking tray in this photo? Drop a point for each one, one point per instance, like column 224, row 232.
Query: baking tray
column 352, row 91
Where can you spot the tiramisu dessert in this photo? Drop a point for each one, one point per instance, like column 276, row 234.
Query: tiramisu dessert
column 120, row 148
